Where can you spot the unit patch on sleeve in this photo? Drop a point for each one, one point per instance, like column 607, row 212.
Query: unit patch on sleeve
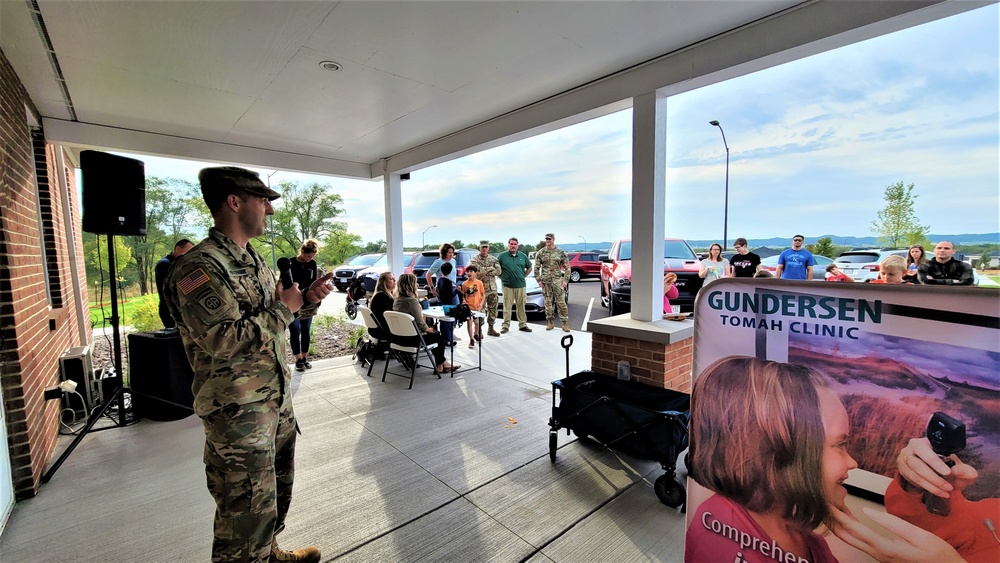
column 196, row 279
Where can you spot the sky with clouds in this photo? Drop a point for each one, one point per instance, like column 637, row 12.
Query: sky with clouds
column 812, row 143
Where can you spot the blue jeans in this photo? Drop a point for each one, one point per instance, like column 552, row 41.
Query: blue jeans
column 300, row 329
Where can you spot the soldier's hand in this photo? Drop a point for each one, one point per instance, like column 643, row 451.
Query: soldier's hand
column 291, row 297
column 320, row 288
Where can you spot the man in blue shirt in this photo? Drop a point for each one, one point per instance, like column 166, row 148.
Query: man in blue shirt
column 796, row 263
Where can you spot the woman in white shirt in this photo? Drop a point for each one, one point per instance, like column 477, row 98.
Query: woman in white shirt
column 713, row 267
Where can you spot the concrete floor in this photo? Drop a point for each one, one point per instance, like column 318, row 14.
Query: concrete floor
column 438, row 473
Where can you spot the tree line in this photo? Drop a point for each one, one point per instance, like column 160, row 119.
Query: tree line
column 175, row 210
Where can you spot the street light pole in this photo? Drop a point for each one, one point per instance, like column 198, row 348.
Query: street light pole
column 584, row 242
column 725, row 216
column 422, row 236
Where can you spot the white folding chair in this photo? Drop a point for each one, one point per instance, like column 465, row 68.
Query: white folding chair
column 402, row 325
column 381, row 334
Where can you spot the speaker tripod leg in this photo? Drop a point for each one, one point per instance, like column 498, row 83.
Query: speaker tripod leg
column 94, row 417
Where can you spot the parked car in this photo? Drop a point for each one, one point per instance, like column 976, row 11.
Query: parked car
column 616, row 274
column 343, row 275
column 819, row 270
column 382, row 265
column 862, row 265
column 583, row 265
column 424, row 259
column 534, row 301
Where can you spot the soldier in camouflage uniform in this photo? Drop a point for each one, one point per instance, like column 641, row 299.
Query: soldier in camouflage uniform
column 552, row 272
column 489, row 269
column 232, row 320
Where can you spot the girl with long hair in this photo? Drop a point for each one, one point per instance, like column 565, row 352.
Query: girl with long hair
column 407, row 302
column 915, row 257
column 713, row 267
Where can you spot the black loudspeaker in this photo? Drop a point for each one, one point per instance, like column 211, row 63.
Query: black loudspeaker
column 160, row 376
column 114, row 194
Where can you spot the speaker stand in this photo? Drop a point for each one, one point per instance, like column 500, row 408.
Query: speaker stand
column 119, row 389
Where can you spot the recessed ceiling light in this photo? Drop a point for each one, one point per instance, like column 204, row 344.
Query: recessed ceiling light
column 330, row 65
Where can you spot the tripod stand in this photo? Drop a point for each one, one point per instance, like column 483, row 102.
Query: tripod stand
column 118, row 395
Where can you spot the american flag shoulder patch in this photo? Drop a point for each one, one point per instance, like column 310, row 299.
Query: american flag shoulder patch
column 194, row 280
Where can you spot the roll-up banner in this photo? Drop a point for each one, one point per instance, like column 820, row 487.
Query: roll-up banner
column 818, row 410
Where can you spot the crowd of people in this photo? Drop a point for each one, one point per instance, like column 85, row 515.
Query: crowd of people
column 798, row 263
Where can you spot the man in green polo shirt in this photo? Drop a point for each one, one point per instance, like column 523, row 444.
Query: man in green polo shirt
column 514, row 266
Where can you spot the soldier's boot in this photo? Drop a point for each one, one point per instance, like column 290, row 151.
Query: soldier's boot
column 550, row 325
column 308, row 554
column 565, row 326
column 492, row 331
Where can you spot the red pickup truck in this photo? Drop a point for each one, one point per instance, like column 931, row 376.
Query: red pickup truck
column 616, row 274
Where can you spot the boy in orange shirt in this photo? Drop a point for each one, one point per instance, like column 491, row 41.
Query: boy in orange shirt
column 475, row 296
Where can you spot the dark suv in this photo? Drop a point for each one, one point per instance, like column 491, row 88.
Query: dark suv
column 583, row 265
column 427, row 257
column 616, row 275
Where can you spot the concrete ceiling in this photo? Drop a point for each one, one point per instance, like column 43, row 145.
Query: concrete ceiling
column 420, row 81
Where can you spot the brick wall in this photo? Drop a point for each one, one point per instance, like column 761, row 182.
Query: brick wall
column 652, row 363
column 33, row 241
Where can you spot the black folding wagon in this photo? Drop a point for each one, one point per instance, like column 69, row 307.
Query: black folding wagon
column 642, row 421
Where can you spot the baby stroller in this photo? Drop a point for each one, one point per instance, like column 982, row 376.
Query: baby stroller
column 358, row 293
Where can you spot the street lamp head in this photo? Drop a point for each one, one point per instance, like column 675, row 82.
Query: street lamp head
column 714, row 122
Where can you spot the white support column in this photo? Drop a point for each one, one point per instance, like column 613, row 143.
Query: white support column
column 393, row 221
column 649, row 155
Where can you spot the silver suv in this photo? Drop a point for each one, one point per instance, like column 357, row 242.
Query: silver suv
column 862, row 265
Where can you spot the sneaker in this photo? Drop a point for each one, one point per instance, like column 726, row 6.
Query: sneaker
column 309, row 554
column 479, row 338
column 524, row 329
column 472, row 344
column 307, row 364
column 300, row 365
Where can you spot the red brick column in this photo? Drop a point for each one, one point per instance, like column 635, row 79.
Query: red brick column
column 652, row 363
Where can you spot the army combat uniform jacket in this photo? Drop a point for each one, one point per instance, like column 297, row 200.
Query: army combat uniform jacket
column 489, row 269
column 552, row 266
column 232, row 324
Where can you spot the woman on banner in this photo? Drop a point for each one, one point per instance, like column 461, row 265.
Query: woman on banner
column 769, row 439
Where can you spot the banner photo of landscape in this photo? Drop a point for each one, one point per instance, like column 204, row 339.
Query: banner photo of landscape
column 904, row 362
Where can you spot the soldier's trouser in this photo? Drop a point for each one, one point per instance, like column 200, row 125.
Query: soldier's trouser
column 249, row 463
column 491, row 308
column 516, row 298
column 555, row 294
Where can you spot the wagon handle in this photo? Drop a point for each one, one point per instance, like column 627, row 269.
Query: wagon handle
column 566, row 343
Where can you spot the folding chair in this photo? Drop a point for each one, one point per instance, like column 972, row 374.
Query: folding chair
column 402, row 325
column 372, row 323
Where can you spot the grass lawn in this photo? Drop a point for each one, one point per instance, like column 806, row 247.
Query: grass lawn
column 125, row 310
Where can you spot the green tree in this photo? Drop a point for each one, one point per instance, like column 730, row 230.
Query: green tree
column 824, row 247
column 374, row 247
column 897, row 222
column 305, row 213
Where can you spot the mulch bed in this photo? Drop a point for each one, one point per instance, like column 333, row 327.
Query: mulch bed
column 329, row 340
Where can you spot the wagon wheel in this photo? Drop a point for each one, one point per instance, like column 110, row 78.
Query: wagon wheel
column 669, row 491
column 352, row 310
column 553, row 444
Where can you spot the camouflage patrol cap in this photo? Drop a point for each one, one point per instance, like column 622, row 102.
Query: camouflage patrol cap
column 224, row 180
column 550, row 235
column 483, row 243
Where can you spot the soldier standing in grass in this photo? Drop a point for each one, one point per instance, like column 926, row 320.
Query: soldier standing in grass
column 552, row 272
column 232, row 318
column 489, row 269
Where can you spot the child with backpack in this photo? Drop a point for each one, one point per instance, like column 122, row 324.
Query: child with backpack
column 447, row 294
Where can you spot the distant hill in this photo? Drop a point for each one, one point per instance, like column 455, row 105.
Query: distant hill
column 780, row 242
